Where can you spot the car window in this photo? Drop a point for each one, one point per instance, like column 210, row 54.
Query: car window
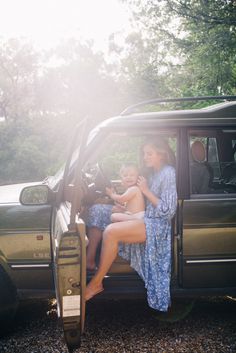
column 213, row 158
column 70, row 172
column 118, row 149
column 234, row 148
column 212, row 161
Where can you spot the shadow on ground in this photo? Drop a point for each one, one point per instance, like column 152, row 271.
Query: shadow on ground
column 125, row 327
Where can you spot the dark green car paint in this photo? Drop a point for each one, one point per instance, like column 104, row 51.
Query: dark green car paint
column 25, row 250
column 32, row 253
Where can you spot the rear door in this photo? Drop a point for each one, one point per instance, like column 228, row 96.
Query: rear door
column 209, row 217
column 69, row 246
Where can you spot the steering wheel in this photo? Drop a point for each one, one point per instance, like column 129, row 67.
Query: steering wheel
column 101, row 181
column 95, row 182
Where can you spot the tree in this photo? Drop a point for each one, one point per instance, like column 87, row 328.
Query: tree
column 42, row 97
column 196, row 41
column 18, row 70
column 81, row 84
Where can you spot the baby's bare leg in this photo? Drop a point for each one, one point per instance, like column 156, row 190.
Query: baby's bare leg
column 121, row 217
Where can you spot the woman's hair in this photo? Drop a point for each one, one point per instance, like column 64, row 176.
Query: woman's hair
column 160, row 145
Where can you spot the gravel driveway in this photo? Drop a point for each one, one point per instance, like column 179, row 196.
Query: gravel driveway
column 125, row 327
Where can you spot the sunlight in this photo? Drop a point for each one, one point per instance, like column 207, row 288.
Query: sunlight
column 45, row 22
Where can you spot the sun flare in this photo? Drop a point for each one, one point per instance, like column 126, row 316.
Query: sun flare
column 45, row 22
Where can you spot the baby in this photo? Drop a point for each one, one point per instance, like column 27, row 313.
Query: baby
column 132, row 197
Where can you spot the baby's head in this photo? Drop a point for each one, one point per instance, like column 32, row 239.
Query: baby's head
column 129, row 174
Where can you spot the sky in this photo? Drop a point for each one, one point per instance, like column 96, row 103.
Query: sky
column 45, row 22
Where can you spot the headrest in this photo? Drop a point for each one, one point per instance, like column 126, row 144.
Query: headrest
column 198, row 151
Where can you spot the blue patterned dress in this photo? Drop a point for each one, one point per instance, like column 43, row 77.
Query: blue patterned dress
column 152, row 259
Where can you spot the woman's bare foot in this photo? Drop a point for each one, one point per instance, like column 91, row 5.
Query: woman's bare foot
column 92, row 289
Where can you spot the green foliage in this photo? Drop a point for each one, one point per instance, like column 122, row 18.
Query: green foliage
column 178, row 49
column 18, row 71
column 21, row 156
column 190, row 47
column 42, row 102
column 119, row 150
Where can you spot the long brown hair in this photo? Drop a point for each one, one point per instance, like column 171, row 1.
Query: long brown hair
column 161, row 145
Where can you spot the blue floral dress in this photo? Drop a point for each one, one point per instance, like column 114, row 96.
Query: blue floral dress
column 152, row 259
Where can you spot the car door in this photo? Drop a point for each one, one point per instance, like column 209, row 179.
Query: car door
column 208, row 216
column 69, row 246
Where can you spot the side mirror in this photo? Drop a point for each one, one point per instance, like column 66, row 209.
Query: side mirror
column 35, row 195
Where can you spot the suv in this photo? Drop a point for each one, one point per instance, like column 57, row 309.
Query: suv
column 42, row 225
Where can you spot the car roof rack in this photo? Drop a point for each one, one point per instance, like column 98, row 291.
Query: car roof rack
column 132, row 109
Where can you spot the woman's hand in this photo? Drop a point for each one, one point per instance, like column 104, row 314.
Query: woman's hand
column 143, row 185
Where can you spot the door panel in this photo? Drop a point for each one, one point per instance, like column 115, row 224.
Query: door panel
column 68, row 237
column 70, row 275
column 209, row 243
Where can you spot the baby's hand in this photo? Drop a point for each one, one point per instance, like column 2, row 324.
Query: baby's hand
column 109, row 191
column 142, row 184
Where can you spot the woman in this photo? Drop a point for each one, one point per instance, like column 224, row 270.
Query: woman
column 146, row 244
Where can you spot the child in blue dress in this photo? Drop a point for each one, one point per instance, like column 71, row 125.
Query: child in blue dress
column 146, row 243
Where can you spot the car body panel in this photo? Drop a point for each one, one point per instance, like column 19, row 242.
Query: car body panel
column 25, row 250
column 69, row 245
column 11, row 193
column 209, row 243
column 36, row 247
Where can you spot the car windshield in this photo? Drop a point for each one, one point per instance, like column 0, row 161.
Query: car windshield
column 53, row 180
column 92, row 134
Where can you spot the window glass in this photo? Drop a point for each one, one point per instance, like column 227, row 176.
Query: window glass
column 200, row 173
column 213, row 158
column 70, row 172
column 212, row 161
column 118, row 149
column 234, row 149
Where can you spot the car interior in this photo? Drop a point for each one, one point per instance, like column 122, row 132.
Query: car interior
column 213, row 151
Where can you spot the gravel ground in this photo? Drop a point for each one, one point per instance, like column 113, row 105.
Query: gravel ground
column 127, row 326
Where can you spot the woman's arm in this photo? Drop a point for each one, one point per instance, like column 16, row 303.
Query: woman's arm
column 167, row 195
column 143, row 186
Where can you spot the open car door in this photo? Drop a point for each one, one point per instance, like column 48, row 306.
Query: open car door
column 69, row 246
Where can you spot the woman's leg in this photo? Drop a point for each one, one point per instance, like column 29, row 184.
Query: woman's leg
column 126, row 232
column 98, row 218
column 94, row 236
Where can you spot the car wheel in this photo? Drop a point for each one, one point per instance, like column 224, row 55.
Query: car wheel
column 179, row 309
column 8, row 302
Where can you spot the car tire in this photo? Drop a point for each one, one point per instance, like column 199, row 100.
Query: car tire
column 179, row 309
column 8, row 302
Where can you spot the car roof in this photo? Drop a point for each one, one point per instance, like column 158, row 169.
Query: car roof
column 214, row 115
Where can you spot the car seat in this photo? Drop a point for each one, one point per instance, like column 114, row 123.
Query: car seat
column 201, row 172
